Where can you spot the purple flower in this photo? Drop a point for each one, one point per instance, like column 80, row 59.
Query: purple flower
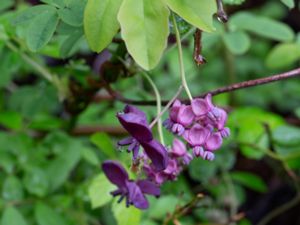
column 181, row 116
column 133, row 191
column 135, row 122
column 179, row 151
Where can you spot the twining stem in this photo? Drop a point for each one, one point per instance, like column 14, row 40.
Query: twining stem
column 40, row 69
column 180, row 57
column 158, row 106
column 167, row 106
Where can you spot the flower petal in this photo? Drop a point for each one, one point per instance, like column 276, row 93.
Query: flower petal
column 136, row 126
column 214, row 141
column 115, row 172
column 185, row 115
column 197, row 135
column 178, row 148
column 135, row 196
column 157, row 153
column 199, row 106
column 148, row 187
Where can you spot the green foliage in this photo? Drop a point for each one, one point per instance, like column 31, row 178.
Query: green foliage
column 249, row 180
column 104, row 143
column 11, row 216
column 126, row 216
column 237, row 42
column 100, row 22
column 72, row 12
column 99, row 191
column 45, row 215
column 262, row 26
column 147, row 39
column 289, row 3
column 197, row 13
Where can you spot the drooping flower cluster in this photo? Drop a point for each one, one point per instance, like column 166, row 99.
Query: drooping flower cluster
column 200, row 124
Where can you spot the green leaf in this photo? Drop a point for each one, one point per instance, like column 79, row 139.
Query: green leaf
column 99, row 191
column 6, row 4
column 72, row 12
column 202, row 170
column 104, row 143
column 262, row 26
column 90, row 156
column 162, row 206
column 11, row 120
column 46, row 215
column 238, row 42
column 246, row 125
column 41, row 29
column 26, row 16
column 126, row 216
column 60, row 168
column 12, row 189
column 233, row 2
column 70, row 43
column 100, row 22
column 198, row 13
column 11, row 216
column 145, row 28
column 287, row 136
column 283, row 55
column 56, row 3
column 36, row 182
column 289, row 3
column 249, row 180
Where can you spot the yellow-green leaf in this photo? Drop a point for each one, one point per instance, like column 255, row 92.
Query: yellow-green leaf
column 199, row 13
column 145, row 28
column 100, row 22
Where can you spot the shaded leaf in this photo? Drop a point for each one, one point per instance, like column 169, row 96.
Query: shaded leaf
column 249, row 180
column 72, row 12
column 12, row 189
column 237, row 42
column 11, row 216
column 262, row 26
column 45, row 215
column 104, row 143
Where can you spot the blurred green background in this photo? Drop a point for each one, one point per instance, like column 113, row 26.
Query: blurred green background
column 51, row 150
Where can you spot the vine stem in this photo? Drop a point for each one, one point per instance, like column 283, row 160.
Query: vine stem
column 180, row 58
column 158, row 106
column 167, row 106
column 40, row 69
column 226, row 89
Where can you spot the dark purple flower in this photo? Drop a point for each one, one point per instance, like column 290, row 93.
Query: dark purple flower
column 157, row 153
column 133, row 191
column 135, row 122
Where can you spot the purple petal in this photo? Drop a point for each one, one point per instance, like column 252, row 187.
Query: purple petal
column 222, row 119
column 174, row 110
column 200, row 106
column 185, row 115
column 157, row 153
column 125, row 141
column 136, row 126
column 198, row 151
column 225, row 132
column 115, row 172
column 197, row 135
column 136, row 111
column 135, row 196
column 178, row 148
column 208, row 156
column 214, row 141
column 148, row 187
column 208, row 100
column 187, row 158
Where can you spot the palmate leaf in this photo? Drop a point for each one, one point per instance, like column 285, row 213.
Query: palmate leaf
column 100, row 22
column 198, row 13
column 145, row 28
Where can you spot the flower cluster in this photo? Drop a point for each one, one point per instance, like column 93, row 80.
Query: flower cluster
column 200, row 124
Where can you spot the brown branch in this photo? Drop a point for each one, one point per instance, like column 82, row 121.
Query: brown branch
column 87, row 130
column 230, row 88
column 198, row 58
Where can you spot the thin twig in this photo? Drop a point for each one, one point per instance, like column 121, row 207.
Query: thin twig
column 226, row 89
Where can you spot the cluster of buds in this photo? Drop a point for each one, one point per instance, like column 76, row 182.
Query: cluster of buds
column 201, row 125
